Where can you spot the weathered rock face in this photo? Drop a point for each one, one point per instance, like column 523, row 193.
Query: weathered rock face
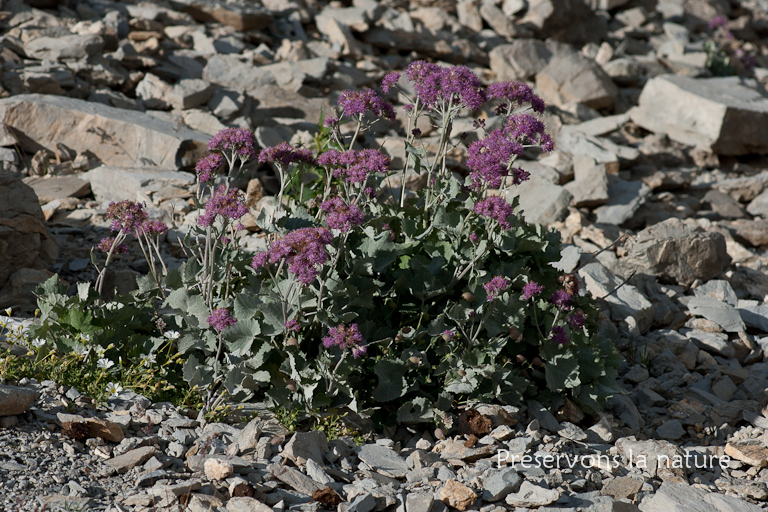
column 573, row 78
column 25, row 242
column 674, row 251
column 728, row 116
column 15, row 400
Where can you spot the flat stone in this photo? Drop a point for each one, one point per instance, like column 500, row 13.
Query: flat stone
column 541, row 201
column 520, row 60
column 457, row 495
column 625, row 199
column 111, row 183
column 723, row 314
column 727, row 116
column 15, row 400
column 499, row 483
column 294, row 478
column 242, row 16
column 384, row 460
column 653, row 456
column 362, row 503
column 177, row 489
column 576, row 79
column 590, row 186
column 115, row 136
column 623, row 302
column 245, row 504
column 671, row 429
column 622, row 488
column 50, row 188
column 532, row 496
column 218, row 469
column 712, row 342
column 229, row 71
column 131, row 459
column 677, row 497
column 419, row 501
column 719, row 289
column 752, row 452
column 306, row 445
column 105, row 429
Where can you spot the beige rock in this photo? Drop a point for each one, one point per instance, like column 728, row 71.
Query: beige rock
column 752, row 452
column 574, row 78
column 131, row 459
column 243, row 504
column 107, row 430
column 15, row 400
column 457, row 495
column 242, row 16
column 216, row 469
column 51, row 188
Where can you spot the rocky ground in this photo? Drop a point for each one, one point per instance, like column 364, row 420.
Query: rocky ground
column 659, row 185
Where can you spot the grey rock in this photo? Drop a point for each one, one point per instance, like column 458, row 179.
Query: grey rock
column 541, row 201
column 674, row 497
column 50, row 188
column 316, row 472
column 570, row 431
column 522, row 59
column 590, row 185
column 229, row 71
column 16, row 400
column 545, row 418
column 719, row 289
column 131, row 459
column 499, row 483
column 384, row 460
column 245, row 504
column 625, row 199
column 712, row 342
column 532, row 496
column 294, row 478
column 723, row 205
column 576, row 143
column 362, row 503
column 189, row 93
column 111, row 183
column 242, row 16
column 671, row 429
column 419, row 501
column 600, row 432
column 723, row 314
column 570, row 21
column 576, row 79
column 727, row 116
column 652, row 456
column 675, row 251
column 68, row 47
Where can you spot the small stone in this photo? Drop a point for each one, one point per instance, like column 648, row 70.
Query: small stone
column 15, row 400
column 532, row 496
column 246, row 504
column 306, row 445
column 216, row 469
column 622, row 488
column 751, row 452
column 500, row 483
column 383, row 460
column 131, row 459
column 457, row 495
column 672, row 429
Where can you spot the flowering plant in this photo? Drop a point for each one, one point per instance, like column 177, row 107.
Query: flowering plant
column 376, row 298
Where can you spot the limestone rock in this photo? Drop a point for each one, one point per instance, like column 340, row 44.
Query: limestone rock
column 457, row 495
column 15, row 400
column 306, row 445
column 532, row 496
column 522, row 59
column 576, row 79
column 678, row 497
column 50, row 188
column 541, row 201
column 216, row 469
column 131, row 459
column 240, row 15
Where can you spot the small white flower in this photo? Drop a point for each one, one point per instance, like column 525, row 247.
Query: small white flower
column 38, row 342
column 8, row 311
column 172, row 335
column 79, row 350
column 113, row 388
column 85, row 338
column 148, row 359
column 100, row 351
column 105, row 364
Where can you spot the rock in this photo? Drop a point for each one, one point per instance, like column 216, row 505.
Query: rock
column 576, row 79
column 674, row 251
column 752, row 452
column 135, row 183
column 590, row 186
column 19, row 289
column 115, row 136
column 229, row 71
column 717, row 289
column 67, row 47
column 457, row 495
column 419, row 502
column 107, row 430
column 712, row 342
column 656, row 457
column 520, row 60
column 622, row 488
column 577, row 143
column 541, row 201
column 723, row 205
column 532, row 496
column 499, row 483
column 724, row 315
column 131, row 459
column 15, row 400
column 383, row 460
column 50, row 188
column 216, row 469
column 600, row 432
column 545, row 418
column 189, row 93
column 306, row 445
column 672, row 430
column 625, row 199
column 242, row 16
column 362, row 503
column 675, row 497
column 726, row 116
column 570, row 21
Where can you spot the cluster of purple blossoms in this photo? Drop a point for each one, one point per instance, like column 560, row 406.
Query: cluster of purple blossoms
column 488, row 159
column 495, row 286
column 516, row 93
column 105, row 245
column 532, row 289
column 528, row 129
column 220, row 319
column 151, row 228
column 227, row 203
column 357, row 103
column 577, row 319
column 559, row 335
column 303, row 250
column 495, row 208
column 286, row 154
column 449, row 335
column 355, row 166
column 346, row 338
column 435, row 85
column 292, row 325
column 127, row 216
column 389, row 81
column 208, row 166
column 340, row 215
column 561, row 299
column 239, row 140
column 717, row 22
column 331, row 122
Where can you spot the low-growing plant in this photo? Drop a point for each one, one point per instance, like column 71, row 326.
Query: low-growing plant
column 726, row 55
column 368, row 297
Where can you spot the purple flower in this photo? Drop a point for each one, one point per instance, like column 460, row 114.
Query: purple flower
column 355, row 166
column 438, row 86
column 516, row 93
column 561, row 299
column 357, row 103
column 495, row 286
column 239, row 140
column 292, row 325
column 346, row 338
column 416, row 132
column 389, row 81
column 286, row 154
column 227, row 203
column 340, row 215
column 495, row 208
column 220, row 319
column 106, row 245
column 488, row 159
column 126, row 215
column 528, row 130
column 386, row 227
column 208, row 166
column 303, row 250
column 331, row 122
column 577, row 319
column 473, row 237
column 152, row 227
column 449, row 335
column 559, row 335
column 718, row 21
column 532, row 289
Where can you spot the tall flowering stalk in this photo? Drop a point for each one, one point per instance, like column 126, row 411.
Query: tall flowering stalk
column 287, row 160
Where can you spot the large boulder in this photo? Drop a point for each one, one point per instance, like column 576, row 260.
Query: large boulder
column 25, row 242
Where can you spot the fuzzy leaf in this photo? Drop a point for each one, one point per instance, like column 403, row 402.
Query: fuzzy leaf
column 392, row 382
column 562, row 372
column 417, row 410
column 191, row 306
column 239, row 337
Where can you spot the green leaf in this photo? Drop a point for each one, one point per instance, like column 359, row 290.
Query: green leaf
column 415, row 411
column 562, row 372
column 239, row 337
column 191, row 306
column 392, row 382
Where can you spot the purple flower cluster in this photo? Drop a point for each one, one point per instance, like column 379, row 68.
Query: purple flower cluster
column 561, row 299
column 346, row 338
column 495, row 208
column 303, row 250
column 528, row 129
column 559, row 335
column 488, row 159
column 105, row 245
column 532, row 289
column 357, row 103
column 516, row 93
column 495, row 286
column 717, row 22
column 355, row 166
column 292, row 325
column 239, row 140
column 286, row 154
column 208, row 166
column 435, row 85
column 127, row 216
column 220, row 319
column 389, row 81
column 449, row 335
column 227, row 203
column 577, row 319
column 340, row 215
column 151, row 228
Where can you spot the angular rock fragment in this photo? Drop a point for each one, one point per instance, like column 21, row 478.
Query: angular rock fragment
column 576, row 79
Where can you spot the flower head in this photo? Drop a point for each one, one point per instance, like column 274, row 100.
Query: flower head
column 105, row 245
column 292, row 325
column 237, row 140
column 127, row 216
column 532, row 289
column 495, row 286
column 113, row 389
column 355, row 166
column 516, row 93
column 340, row 215
column 227, row 203
column 495, row 208
column 220, row 319
column 208, row 166
column 357, row 103
column 38, row 342
column 438, row 86
column 389, row 81
column 561, row 299
column 303, row 249
column 718, row 21
column 559, row 335
column 286, row 154
column 331, row 122
column 151, row 228
column 577, row 319
column 346, row 338
column 172, row 335
column 105, row 364
column 489, row 158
